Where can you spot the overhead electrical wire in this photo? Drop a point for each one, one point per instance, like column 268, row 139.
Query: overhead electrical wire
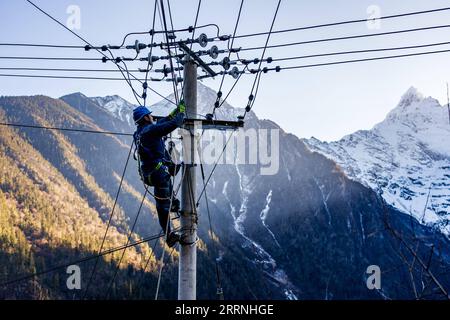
column 88, row 258
column 174, row 83
column 365, row 35
column 130, row 235
column 64, row 77
column 91, row 277
column 281, row 68
column 219, row 92
column 64, row 69
column 64, row 129
column 361, row 51
column 252, row 97
column 85, row 41
column 333, row 24
column 149, row 62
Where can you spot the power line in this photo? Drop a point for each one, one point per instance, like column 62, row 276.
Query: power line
column 251, row 98
column 254, row 71
column 176, row 49
column 366, row 35
column 121, row 46
column 65, row 69
column 66, row 77
column 354, row 61
column 95, row 256
column 130, row 234
column 174, row 83
column 193, row 35
column 149, row 62
column 50, row 58
column 109, row 220
column 85, row 41
column 361, row 51
column 64, row 129
column 196, row 20
column 219, row 92
column 212, row 170
column 345, row 22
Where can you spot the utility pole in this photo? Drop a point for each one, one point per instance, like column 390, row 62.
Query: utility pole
column 187, row 271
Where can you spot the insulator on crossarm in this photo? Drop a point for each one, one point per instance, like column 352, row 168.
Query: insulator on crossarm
column 203, row 40
column 171, row 35
column 234, row 72
column 214, row 52
column 226, row 63
column 178, row 80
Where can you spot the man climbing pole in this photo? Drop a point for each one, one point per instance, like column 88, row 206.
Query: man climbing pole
column 155, row 164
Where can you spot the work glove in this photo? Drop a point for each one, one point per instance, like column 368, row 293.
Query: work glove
column 181, row 108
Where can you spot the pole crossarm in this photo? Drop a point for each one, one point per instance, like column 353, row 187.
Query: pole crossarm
column 211, row 123
column 197, row 59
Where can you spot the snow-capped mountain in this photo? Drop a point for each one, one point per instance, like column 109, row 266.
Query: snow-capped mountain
column 117, row 106
column 406, row 157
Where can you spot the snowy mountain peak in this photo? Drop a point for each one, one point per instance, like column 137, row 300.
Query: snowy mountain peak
column 117, row 106
column 406, row 156
column 411, row 96
column 417, row 112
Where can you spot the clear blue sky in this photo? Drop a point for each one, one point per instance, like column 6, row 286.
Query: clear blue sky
column 326, row 102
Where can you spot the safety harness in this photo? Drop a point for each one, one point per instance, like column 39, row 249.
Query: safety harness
column 137, row 157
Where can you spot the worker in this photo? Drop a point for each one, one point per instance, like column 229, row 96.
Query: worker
column 155, row 164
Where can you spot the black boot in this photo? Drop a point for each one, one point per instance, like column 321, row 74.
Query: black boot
column 175, row 205
column 172, row 239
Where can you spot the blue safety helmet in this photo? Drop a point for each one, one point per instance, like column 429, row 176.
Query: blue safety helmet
column 139, row 113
